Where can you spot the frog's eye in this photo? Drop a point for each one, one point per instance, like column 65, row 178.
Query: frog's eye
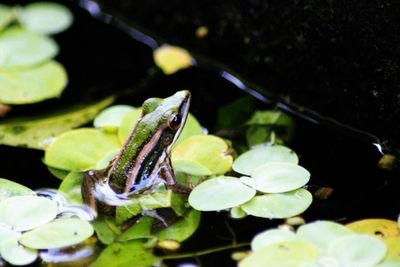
column 175, row 121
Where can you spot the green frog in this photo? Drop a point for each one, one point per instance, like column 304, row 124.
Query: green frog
column 144, row 161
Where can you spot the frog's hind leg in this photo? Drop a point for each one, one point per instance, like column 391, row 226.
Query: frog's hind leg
column 88, row 188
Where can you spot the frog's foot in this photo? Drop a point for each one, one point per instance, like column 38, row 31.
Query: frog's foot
column 153, row 214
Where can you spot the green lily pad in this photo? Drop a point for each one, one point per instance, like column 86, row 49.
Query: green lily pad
column 45, row 17
column 32, row 85
column 280, row 205
column 10, row 189
column 141, row 229
column 79, row 150
column 104, row 233
column 126, row 254
column 128, row 123
column 192, row 127
column 8, row 234
column 39, row 131
column 278, row 177
column 182, row 229
column 60, row 174
column 208, row 151
column 322, row 233
column 125, row 212
column 291, row 253
column 12, row 252
column 107, row 159
column 272, row 236
column 59, row 233
column 6, row 16
column 220, row 193
column 70, row 187
column 247, row 162
column 27, row 212
column 22, row 48
column 358, row 250
column 237, row 213
column 172, row 58
column 110, row 119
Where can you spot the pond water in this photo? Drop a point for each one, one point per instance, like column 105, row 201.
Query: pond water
column 103, row 59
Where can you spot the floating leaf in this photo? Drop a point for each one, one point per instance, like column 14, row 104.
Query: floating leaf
column 22, row 48
column 8, row 234
column 278, row 177
column 6, row 16
column 27, row 212
column 322, row 233
column 393, row 245
column 39, row 131
column 128, row 123
column 12, row 252
column 71, row 187
column 9, row 189
column 110, row 119
column 125, row 212
column 107, row 159
column 141, row 229
column 291, row 253
column 79, row 150
column 45, row 17
column 182, row 229
column 279, row 206
column 60, row 174
column 237, row 213
column 247, row 162
column 202, row 155
column 126, row 254
column 220, row 193
column 172, row 58
column 59, row 233
column 32, row 85
column 358, row 250
column 104, row 233
column 272, row 236
column 389, row 263
column 192, row 127
column 381, row 228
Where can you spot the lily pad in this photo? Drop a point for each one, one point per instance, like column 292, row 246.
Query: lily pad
column 247, row 162
column 278, row 177
column 45, row 17
column 110, row 119
column 32, row 85
column 39, row 131
column 220, row 193
column 192, row 127
column 127, row 124
column 280, row 205
column 207, row 152
column 79, row 150
column 323, row 233
column 104, row 233
column 71, row 187
column 22, row 48
column 12, row 252
column 9, row 189
column 237, row 213
column 6, row 16
column 8, row 234
column 27, row 212
column 381, row 228
column 141, row 229
column 358, row 250
column 170, row 59
column 272, row 236
column 59, row 233
column 291, row 253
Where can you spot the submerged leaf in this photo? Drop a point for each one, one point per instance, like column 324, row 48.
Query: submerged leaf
column 16, row 254
column 39, row 131
column 172, row 58
column 10, row 189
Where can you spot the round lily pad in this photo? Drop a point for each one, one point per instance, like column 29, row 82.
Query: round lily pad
column 381, row 228
column 110, row 119
column 22, row 48
column 59, row 233
column 32, row 85
column 80, row 150
column 27, row 212
column 45, row 17
column 9, row 189
column 247, row 162
column 272, row 236
column 291, row 253
column 220, row 193
column 280, row 205
column 127, row 124
column 322, row 233
column 6, row 16
column 8, row 234
column 358, row 250
column 192, row 127
column 237, row 213
column 279, row 177
column 208, row 151
column 172, row 58
column 12, row 252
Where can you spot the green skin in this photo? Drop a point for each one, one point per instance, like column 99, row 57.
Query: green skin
column 144, row 160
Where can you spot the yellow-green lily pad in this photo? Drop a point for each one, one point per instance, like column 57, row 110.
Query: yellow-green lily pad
column 110, row 119
column 10, row 189
column 170, row 58
column 208, row 151
column 127, row 124
column 8, row 234
column 6, row 16
column 280, row 205
column 16, row 254
column 272, row 236
column 220, row 193
column 71, row 187
column 79, row 150
column 45, row 17
column 247, row 162
column 192, row 127
column 32, row 85
column 381, row 228
column 22, row 48
column 59, row 233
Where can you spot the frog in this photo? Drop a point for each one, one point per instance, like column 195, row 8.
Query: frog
column 144, row 161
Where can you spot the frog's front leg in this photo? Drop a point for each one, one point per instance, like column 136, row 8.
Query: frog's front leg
column 167, row 174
